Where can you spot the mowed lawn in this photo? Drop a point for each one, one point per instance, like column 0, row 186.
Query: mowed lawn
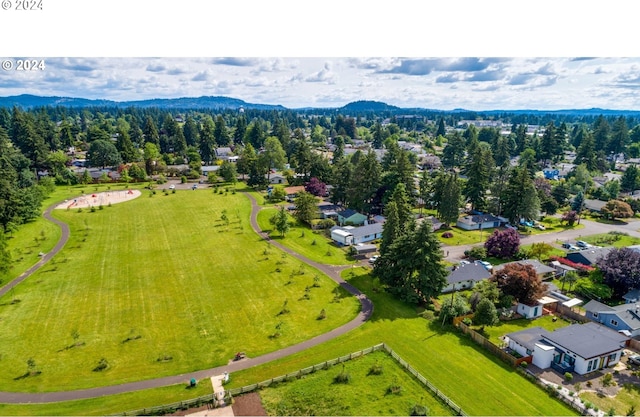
column 366, row 394
column 475, row 380
column 300, row 238
column 159, row 286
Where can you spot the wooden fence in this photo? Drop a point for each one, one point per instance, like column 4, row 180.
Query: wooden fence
column 490, row 346
column 229, row 394
column 568, row 313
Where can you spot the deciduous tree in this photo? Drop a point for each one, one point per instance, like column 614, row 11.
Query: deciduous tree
column 306, row 207
column 503, row 243
column 620, row 270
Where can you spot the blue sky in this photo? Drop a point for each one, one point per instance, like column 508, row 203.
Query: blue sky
column 328, row 54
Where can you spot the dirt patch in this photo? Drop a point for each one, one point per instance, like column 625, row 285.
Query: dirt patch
column 248, row 405
column 99, row 199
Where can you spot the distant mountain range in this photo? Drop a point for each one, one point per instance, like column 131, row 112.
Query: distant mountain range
column 218, row 102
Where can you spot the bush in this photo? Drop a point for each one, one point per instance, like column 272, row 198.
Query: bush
column 568, row 376
column 342, row 378
column 419, row 410
column 183, row 179
column 477, row 252
column 375, row 369
column 102, row 365
column 447, row 235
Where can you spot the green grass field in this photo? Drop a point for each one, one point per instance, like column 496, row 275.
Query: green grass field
column 607, row 239
column 301, row 238
column 504, row 327
column 25, row 246
column 478, row 382
column 366, row 394
column 159, row 286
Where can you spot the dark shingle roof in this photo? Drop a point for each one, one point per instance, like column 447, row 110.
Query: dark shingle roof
column 528, row 337
column 588, row 340
column 468, row 272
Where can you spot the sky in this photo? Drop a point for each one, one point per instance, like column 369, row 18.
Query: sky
column 485, row 55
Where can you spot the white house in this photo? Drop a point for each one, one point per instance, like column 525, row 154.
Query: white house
column 465, row 276
column 579, row 348
column 478, row 221
column 349, row 235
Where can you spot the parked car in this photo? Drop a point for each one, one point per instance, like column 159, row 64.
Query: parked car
column 582, row 244
column 570, row 246
column 540, row 226
column 172, row 186
column 373, row 259
column 486, row 264
column 634, row 359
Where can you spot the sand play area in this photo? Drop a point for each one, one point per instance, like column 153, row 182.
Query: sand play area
column 99, row 199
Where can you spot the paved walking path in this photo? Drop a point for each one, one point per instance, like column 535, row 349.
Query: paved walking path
column 331, row 271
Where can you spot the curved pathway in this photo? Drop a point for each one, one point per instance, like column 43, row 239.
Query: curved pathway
column 332, row 272
column 64, row 237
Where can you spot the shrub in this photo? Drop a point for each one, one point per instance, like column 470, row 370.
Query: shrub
column 343, row 377
column 524, row 364
column 419, row 410
column 322, row 315
column 447, row 235
column 102, row 365
column 477, row 252
column 394, row 388
column 376, row 369
column 607, row 380
column 568, row 376
column 183, row 179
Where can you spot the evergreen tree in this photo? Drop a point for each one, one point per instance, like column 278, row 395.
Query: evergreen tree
column 365, row 181
column 207, row 141
column 5, row 254
column 586, row 153
column 220, row 132
column 441, row 131
column 191, row 132
column 453, row 153
column 447, row 197
column 412, row 266
column 478, row 172
column 306, row 207
column 341, row 181
column 601, row 132
column 630, row 179
column 521, row 200
column 248, row 160
column 151, row 132
column 239, row 130
column 619, row 136
column 280, row 221
column 128, row 152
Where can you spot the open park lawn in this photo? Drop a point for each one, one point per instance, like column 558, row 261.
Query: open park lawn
column 158, row 286
column 470, row 376
column 300, row 238
column 25, row 246
column 366, row 393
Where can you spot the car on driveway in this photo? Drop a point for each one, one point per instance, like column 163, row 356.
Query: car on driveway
column 172, row 187
column 634, row 359
column 373, row 259
column 582, row 244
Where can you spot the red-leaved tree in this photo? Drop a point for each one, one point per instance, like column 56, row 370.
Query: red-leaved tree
column 503, row 243
column 521, row 282
column 316, row 187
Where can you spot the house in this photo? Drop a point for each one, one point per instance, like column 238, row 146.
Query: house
column 632, row 297
column 478, row 221
column 292, row 192
column 224, row 153
column 624, row 318
column 277, row 179
column 209, row 169
column 588, row 256
column 349, row 235
column 543, row 271
column 561, row 269
column 429, row 162
column 352, row 217
column 465, row 276
column 594, row 205
column 581, row 348
column 328, row 210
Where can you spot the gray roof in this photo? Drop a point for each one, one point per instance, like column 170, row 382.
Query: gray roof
column 538, row 266
column 468, row 272
column 594, row 204
column 632, row 295
column 597, row 307
column 370, row 229
column 588, row 256
column 528, row 337
column 479, row 218
column 628, row 316
column 588, row 340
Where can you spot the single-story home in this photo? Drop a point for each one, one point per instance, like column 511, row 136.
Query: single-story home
column 352, row 217
column 594, row 205
column 207, row 169
column 292, row 192
column 543, row 271
column 624, row 318
column 478, row 221
column 277, row 179
column 223, row 153
column 588, row 256
column 328, row 210
column 579, row 348
column 561, row 269
column 349, row 235
column 465, row 276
